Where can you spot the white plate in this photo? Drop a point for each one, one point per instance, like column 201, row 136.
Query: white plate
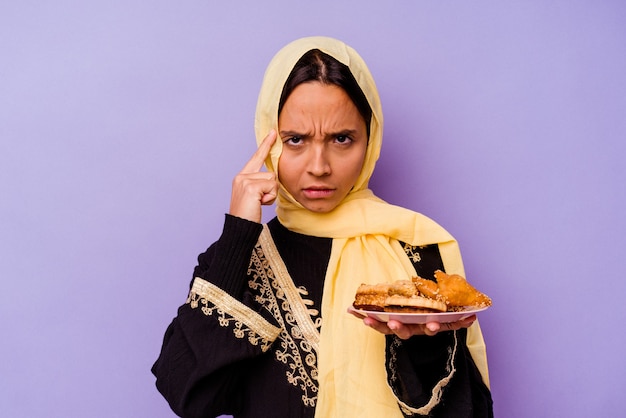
column 419, row 318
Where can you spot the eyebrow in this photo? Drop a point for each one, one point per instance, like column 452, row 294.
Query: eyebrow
column 343, row 132
column 284, row 134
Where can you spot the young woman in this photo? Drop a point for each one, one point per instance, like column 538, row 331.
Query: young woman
column 264, row 331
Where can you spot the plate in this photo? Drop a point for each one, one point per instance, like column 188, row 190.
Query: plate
column 419, row 318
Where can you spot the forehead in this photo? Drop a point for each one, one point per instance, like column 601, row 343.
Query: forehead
column 315, row 92
column 321, row 103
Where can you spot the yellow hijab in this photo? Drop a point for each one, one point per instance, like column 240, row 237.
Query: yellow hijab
column 365, row 249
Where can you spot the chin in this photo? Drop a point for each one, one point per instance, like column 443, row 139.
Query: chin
column 320, row 208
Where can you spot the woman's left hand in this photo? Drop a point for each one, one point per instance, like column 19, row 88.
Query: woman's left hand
column 405, row 331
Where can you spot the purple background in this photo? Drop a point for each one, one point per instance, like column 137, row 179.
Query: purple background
column 122, row 124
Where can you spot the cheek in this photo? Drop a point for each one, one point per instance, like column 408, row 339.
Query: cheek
column 349, row 171
column 286, row 169
column 355, row 174
column 357, row 164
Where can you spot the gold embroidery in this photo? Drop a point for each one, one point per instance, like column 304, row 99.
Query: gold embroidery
column 230, row 312
column 299, row 337
column 292, row 294
column 296, row 339
column 412, row 253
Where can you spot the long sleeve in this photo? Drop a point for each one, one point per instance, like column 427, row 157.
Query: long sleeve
column 202, row 361
column 225, row 262
column 435, row 376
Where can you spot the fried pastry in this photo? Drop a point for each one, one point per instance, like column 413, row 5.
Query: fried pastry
column 458, row 292
column 398, row 296
column 448, row 293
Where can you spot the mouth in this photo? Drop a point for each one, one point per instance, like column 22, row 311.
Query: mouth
column 318, row 192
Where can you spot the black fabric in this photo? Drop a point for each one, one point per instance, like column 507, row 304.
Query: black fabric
column 426, row 259
column 467, row 396
column 420, row 363
column 305, row 257
column 203, row 370
column 226, row 261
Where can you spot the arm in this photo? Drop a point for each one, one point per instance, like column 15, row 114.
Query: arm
column 436, row 377
column 202, row 360
column 433, row 372
column 204, row 353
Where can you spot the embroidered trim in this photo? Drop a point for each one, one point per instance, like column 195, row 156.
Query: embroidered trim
column 295, row 340
column 437, row 391
column 299, row 336
column 231, row 312
column 413, row 253
column 302, row 314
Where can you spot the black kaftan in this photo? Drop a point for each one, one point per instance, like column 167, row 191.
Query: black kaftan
column 237, row 346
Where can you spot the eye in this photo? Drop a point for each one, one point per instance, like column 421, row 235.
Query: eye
column 294, row 140
column 343, row 139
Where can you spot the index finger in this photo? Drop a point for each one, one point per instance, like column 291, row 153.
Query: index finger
column 258, row 158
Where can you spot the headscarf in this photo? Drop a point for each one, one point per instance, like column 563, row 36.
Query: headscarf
column 365, row 249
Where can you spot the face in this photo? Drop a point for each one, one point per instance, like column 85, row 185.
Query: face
column 324, row 142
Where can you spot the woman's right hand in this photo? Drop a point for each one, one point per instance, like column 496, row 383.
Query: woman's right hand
column 406, row 331
column 252, row 187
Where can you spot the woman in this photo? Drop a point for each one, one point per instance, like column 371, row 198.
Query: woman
column 264, row 331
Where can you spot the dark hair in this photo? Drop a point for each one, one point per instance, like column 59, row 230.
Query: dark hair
column 315, row 65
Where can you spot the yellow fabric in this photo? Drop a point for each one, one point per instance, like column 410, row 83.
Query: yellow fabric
column 365, row 232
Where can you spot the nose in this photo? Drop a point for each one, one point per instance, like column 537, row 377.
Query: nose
column 318, row 162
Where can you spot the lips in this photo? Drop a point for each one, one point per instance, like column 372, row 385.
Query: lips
column 318, row 192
